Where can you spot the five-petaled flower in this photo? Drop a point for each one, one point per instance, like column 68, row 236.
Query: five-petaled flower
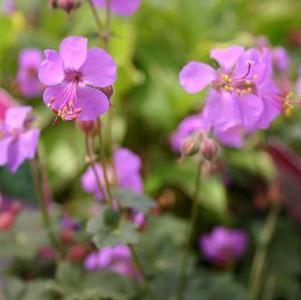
column 18, row 141
column 119, row 7
column 27, row 77
column 75, row 77
column 243, row 94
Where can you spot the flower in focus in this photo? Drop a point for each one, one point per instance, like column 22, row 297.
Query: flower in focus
column 18, row 141
column 127, row 166
column 120, row 7
column 242, row 95
column 27, row 77
column 74, row 77
column 223, row 245
column 6, row 101
column 116, row 259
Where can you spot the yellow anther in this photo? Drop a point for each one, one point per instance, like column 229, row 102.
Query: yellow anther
column 71, row 103
column 248, row 82
column 255, row 77
column 78, row 110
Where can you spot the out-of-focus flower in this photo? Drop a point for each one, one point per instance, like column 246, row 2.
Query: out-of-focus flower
column 223, row 245
column 9, row 211
column 6, row 101
column 74, row 77
column 280, row 59
column 298, row 87
column 127, row 166
column 77, row 253
column 18, row 141
column 66, row 5
column 27, row 77
column 116, row 259
column 240, row 89
column 120, row 7
column 7, row 7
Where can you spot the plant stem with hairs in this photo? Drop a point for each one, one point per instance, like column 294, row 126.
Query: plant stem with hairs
column 193, row 220
column 259, row 260
column 37, row 175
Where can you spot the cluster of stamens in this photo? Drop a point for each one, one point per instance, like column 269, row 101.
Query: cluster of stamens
column 67, row 111
column 287, row 105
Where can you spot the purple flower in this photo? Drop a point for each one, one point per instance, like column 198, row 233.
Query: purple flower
column 120, row 7
column 116, row 259
column 280, row 59
column 7, row 7
column 237, row 97
column 127, row 166
column 27, row 77
column 6, row 101
column 223, row 245
column 194, row 124
column 74, row 77
column 18, row 141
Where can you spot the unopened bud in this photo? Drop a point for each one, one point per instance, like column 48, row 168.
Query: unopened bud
column 209, row 149
column 108, row 91
column 190, row 146
column 88, row 127
column 66, row 5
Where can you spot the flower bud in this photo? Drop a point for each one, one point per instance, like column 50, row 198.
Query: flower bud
column 190, row 146
column 66, row 5
column 108, row 91
column 77, row 253
column 88, row 127
column 209, row 149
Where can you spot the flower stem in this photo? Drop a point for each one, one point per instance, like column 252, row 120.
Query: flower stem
column 193, row 220
column 259, row 260
column 36, row 175
column 103, row 162
column 96, row 16
column 142, row 273
column 90, row 153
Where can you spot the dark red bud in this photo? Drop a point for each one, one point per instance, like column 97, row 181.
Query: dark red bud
column 66, row 5
column 88, row 127
column 77, row 253
column 209, row 149
column 67, row 236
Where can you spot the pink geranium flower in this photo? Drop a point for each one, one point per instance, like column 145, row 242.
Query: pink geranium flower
column 27, row 77
column 6, row 101
column 120, row 7
column 74, row 77
column 18, row 141
column 242, row 93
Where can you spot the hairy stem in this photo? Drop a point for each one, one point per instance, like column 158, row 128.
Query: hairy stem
column 139, row 266
column 37, row 175
column 259, row 260
column 193, row 220
column 96, row 17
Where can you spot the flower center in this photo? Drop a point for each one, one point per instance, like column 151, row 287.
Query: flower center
column 73, row 76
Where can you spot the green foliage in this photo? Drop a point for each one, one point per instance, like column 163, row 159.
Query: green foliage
column 130, row 199
column 108, row 229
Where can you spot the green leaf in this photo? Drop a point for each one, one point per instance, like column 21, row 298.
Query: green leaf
column 104, row 234
column 130, row 199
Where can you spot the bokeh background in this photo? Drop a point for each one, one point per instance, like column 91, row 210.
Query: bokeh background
column 150, row 48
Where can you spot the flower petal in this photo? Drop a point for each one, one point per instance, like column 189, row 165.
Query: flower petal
column 92, row 102
column 250, row 109
column 196, row 76
column 73, row 51
column 16, row 116
column 29, row 142
column 227, row 57
column 51, row 69
column 232, row 137
column 99, row 68
column 4, row 145
column 221, row 111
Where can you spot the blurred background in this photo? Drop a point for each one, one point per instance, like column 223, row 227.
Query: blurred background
column 150, row 48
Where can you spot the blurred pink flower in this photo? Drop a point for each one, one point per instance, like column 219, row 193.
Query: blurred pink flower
column 120, row 7
column 18, row 141
column 27, row 77
column 6, row 101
